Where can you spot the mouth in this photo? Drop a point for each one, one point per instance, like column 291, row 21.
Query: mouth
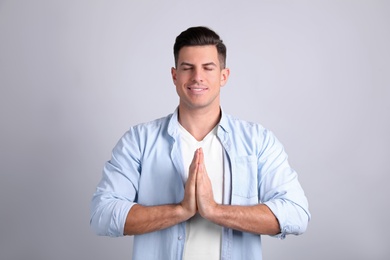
column 197, row 89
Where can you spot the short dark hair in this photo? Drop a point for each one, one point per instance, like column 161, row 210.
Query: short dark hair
column 200, row 36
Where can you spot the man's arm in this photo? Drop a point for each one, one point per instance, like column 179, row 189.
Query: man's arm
column 257, row 219
column 145, row 219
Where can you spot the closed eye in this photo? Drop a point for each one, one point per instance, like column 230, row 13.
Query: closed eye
column 186, row 66
column 209, row 66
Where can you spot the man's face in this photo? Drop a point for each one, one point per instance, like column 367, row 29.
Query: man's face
column 199, row 77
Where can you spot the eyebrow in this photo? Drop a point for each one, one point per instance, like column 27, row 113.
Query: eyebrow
column 191, row 65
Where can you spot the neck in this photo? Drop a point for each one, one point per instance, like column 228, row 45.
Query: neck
column 199, row 122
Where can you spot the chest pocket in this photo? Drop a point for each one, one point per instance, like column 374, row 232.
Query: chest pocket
column 244, row 180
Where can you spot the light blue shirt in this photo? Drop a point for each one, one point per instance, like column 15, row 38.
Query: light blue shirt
column 146, row 168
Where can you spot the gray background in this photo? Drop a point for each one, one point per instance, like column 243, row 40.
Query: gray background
column 75, row 75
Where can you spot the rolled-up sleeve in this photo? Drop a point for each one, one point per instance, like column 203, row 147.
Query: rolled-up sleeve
column 280, row 189
column 116, row 193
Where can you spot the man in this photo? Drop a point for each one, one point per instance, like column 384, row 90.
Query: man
column 199, row 184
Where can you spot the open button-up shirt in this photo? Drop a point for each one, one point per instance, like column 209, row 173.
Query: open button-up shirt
column 147, row 166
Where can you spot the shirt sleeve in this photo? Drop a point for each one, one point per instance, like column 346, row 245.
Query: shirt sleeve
column 116, row 193
column 280, row 189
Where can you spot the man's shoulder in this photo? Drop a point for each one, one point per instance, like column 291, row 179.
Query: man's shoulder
column 236, row 123
column 148, row 130
column 155, row 123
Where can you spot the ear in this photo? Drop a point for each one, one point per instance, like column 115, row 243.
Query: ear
column 173, row 74
column 224, row 76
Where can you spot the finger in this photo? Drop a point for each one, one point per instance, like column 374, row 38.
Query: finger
column 201, row 174
column 195, row 161
column 201, row 156
column 202, row 166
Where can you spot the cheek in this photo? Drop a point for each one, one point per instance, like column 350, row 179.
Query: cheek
column 181, row 79
column 178, row 82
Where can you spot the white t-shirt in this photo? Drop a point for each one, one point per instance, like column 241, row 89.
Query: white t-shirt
column 203, row 238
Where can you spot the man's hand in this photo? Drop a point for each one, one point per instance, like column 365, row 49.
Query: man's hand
column 189, row 201
column 204, row 191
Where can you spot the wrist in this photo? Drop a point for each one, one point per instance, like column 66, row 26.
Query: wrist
column 183, row 213
column 212, row 212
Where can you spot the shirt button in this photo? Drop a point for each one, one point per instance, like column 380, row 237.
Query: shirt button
column 180, row 237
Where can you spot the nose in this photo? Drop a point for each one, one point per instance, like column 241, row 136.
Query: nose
column 197, row 75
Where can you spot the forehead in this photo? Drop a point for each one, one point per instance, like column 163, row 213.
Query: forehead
column 198, row 54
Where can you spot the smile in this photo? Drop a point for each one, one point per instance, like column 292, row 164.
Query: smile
column 197, row 89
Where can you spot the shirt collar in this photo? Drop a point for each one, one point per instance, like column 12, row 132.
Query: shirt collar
column 173, row 125
column 223, row 123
